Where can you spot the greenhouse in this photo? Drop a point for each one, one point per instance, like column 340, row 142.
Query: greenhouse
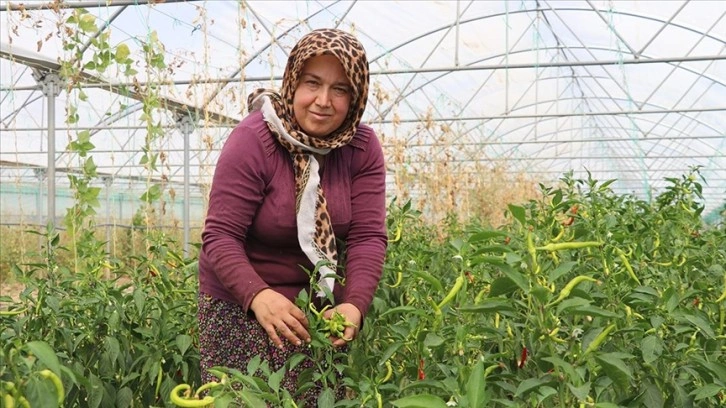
column 508, row 129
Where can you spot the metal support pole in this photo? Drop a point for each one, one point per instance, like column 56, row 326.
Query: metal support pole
column 40, row 174
column 186, row 126
column 51, row 85
column 107, row 183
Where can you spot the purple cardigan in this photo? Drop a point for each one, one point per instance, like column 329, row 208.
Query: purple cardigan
column 249, row 241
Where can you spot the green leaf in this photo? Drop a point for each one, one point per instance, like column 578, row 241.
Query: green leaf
column 390, row 351
column 487, row 259
column 87, row 23
column 592, row 311
column 140, row 301
column 718, row 369
column 518, row 278
column 489, row 305
column 326, row 399
column 276, row 379
column 652, row 397
column 122, row 53
column 706, row 391
column 486, row 235
column 39, row 392
column 528, row 385
column 580, row 392
column 566, row 368
column 572, row 303
column 502, row 286
column 652, row 348
column 402, row 309
column 697, row 321
column 419, row 401
column 124, row 397
column 605, row 184
column 518, row 213
column 253, row 365
column 113, row 348
column 616, row 369
column 296, row 359
column 183, row 342
column 433, row 340
column 545, row 392
column 45, row 355
column 425, row 384
column 476, row 386
column 252, row 400
column 430, row 279
column 89, row 167
column 563, row 269
column 95, row 393
column 152, row 194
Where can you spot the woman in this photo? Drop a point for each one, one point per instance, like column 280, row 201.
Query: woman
column 298, row 174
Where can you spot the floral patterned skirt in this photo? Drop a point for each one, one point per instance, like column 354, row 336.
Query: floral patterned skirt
column 229, row 337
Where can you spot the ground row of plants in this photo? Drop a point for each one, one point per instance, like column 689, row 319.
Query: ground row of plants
column 584, row 298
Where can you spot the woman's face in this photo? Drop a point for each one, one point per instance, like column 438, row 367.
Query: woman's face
column 322, row 96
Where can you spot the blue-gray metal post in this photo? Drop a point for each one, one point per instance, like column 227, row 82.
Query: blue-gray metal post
column 51, row 86
column 107, row 184
column 186, row 126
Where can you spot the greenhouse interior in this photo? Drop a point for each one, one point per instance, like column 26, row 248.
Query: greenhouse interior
column 113, row 114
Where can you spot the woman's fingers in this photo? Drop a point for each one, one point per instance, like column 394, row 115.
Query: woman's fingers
column 272, row 334
column 298, row 327
column 280, row 318
column 299, row 315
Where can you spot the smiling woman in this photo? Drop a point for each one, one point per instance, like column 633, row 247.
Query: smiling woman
column 275, row 214
column 322, row 97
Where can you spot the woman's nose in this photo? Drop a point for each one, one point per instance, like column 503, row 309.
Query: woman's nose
column 323, row 98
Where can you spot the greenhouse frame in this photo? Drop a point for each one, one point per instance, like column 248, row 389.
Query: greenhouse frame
column 629, row 91
column 543, row 224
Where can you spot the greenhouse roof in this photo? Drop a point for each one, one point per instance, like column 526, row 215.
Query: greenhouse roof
column 626, row 90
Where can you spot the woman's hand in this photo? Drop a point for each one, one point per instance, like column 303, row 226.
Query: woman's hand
column 352, row 315
column 280, row 317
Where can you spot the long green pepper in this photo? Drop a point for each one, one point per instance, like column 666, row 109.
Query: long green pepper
column 458, row 284
column 565, row 292
column 597, row 341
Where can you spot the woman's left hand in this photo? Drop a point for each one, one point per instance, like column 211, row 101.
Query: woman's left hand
column 353, row 316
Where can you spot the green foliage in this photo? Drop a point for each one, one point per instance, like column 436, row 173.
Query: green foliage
column 548, row 314
column 130, row 338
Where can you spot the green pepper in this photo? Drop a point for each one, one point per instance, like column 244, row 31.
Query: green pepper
column 59, row 390
column 598, row 340
column 568, row 245
column 180, row 401
column 565, row 292
column 458, row 284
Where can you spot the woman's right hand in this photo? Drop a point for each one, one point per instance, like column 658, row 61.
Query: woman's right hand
column 280, row 317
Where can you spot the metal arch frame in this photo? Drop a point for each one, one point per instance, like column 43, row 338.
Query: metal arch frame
column 541, row 116
column 550, row 144
column 80, row 4
column 26, row 167
column 538, row 9
column 509, row 52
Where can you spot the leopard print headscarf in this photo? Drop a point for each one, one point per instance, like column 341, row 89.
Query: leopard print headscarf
column 315, row 230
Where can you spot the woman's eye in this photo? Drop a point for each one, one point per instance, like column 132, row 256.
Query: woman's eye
column 341, row 90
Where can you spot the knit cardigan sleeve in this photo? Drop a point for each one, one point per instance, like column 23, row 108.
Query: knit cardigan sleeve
column 237, row 191
column 367, row 236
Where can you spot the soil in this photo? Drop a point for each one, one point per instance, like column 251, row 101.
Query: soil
column 11, row 289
